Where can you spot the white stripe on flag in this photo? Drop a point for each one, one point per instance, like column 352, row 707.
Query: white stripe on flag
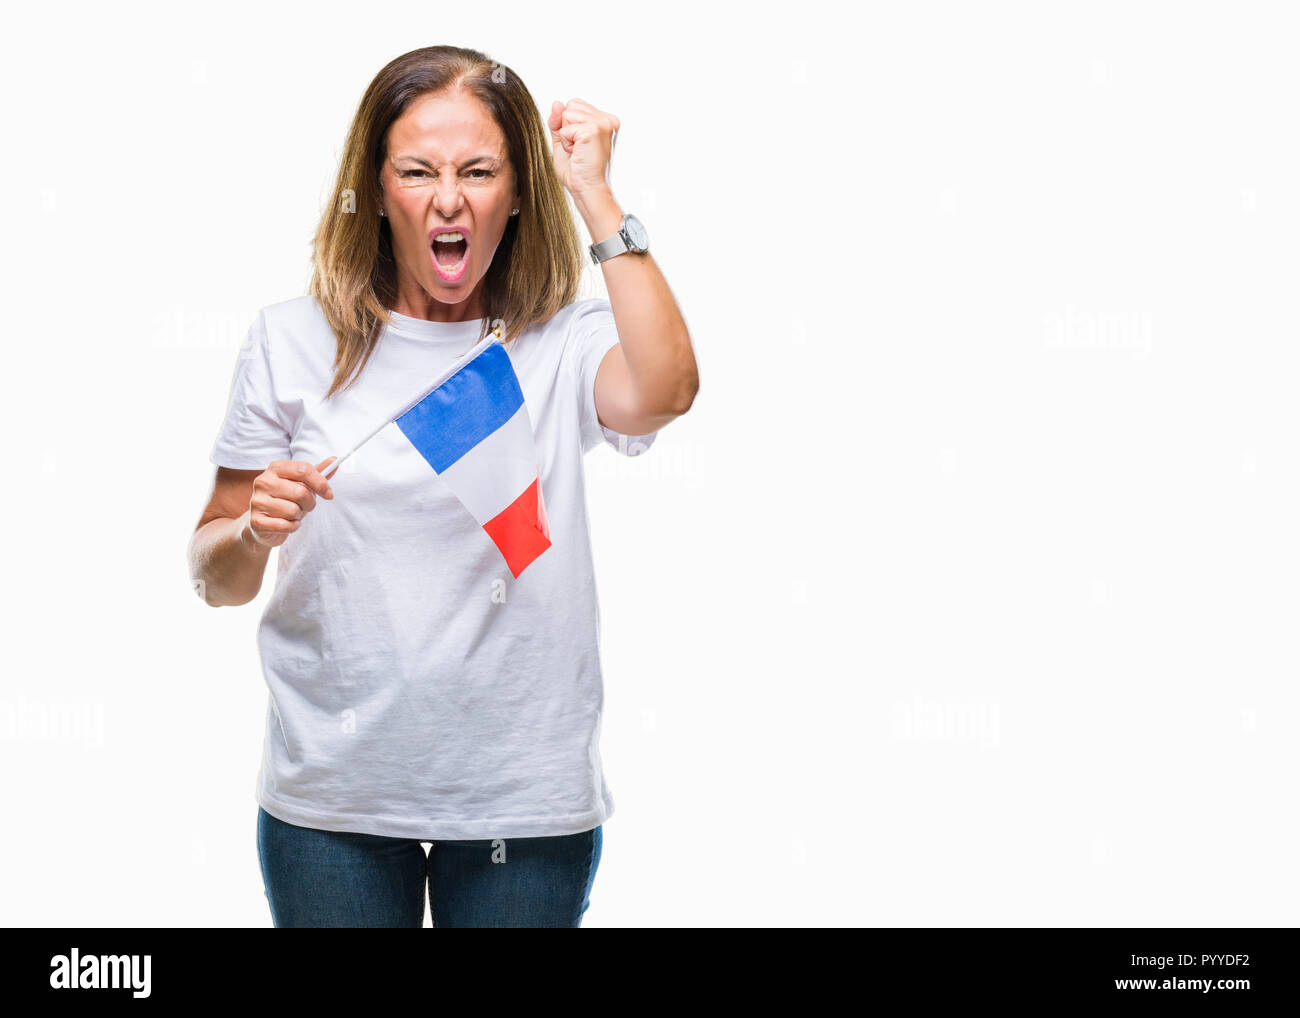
column 494, row 473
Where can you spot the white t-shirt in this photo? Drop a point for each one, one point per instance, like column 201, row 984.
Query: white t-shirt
column 416, row 688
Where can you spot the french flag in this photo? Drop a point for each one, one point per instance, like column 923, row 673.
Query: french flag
column 474, row 432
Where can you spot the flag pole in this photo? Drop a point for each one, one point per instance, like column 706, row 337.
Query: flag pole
column 493, row 337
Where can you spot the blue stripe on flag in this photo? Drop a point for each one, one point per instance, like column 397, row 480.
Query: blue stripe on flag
column 465, row 409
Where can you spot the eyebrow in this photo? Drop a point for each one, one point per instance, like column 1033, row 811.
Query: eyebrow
column 467, row 163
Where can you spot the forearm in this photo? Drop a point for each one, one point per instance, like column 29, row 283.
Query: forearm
column 651, row 330
column 226, row 563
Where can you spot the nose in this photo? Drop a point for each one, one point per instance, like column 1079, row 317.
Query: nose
column 447, row 196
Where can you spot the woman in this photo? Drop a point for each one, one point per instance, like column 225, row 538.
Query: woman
column 419, row 691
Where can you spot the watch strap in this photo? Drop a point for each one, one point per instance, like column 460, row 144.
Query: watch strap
column 609, row 247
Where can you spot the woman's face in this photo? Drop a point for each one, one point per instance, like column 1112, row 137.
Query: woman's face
column 445, row 171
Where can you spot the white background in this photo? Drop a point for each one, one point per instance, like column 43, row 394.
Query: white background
column 963, row 596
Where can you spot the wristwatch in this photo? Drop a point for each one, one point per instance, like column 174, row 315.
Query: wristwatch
column 631, row 236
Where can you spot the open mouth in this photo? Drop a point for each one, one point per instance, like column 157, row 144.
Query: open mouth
column 450, row 249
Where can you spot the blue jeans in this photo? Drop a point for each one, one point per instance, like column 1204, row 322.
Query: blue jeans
column 335, row 878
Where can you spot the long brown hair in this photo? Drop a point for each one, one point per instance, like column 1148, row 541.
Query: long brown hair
column 536, row 267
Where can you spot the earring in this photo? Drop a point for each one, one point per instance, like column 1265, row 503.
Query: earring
column 382, row 212
column 514, row 212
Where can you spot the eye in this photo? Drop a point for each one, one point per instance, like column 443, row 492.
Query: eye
column 422, row 173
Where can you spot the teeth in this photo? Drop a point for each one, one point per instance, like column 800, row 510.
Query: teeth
column 451, row 237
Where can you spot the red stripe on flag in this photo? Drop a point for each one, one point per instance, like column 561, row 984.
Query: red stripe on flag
column 521, row 530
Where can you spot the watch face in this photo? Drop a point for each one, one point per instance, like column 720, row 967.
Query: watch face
column 636, row 233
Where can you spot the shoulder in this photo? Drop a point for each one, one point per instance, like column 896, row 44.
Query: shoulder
column 573, row 317
column 590, row 332
column 297, row 328
column 560, row 342
column 591, row 311
column 296, row 316
column 584, row 329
